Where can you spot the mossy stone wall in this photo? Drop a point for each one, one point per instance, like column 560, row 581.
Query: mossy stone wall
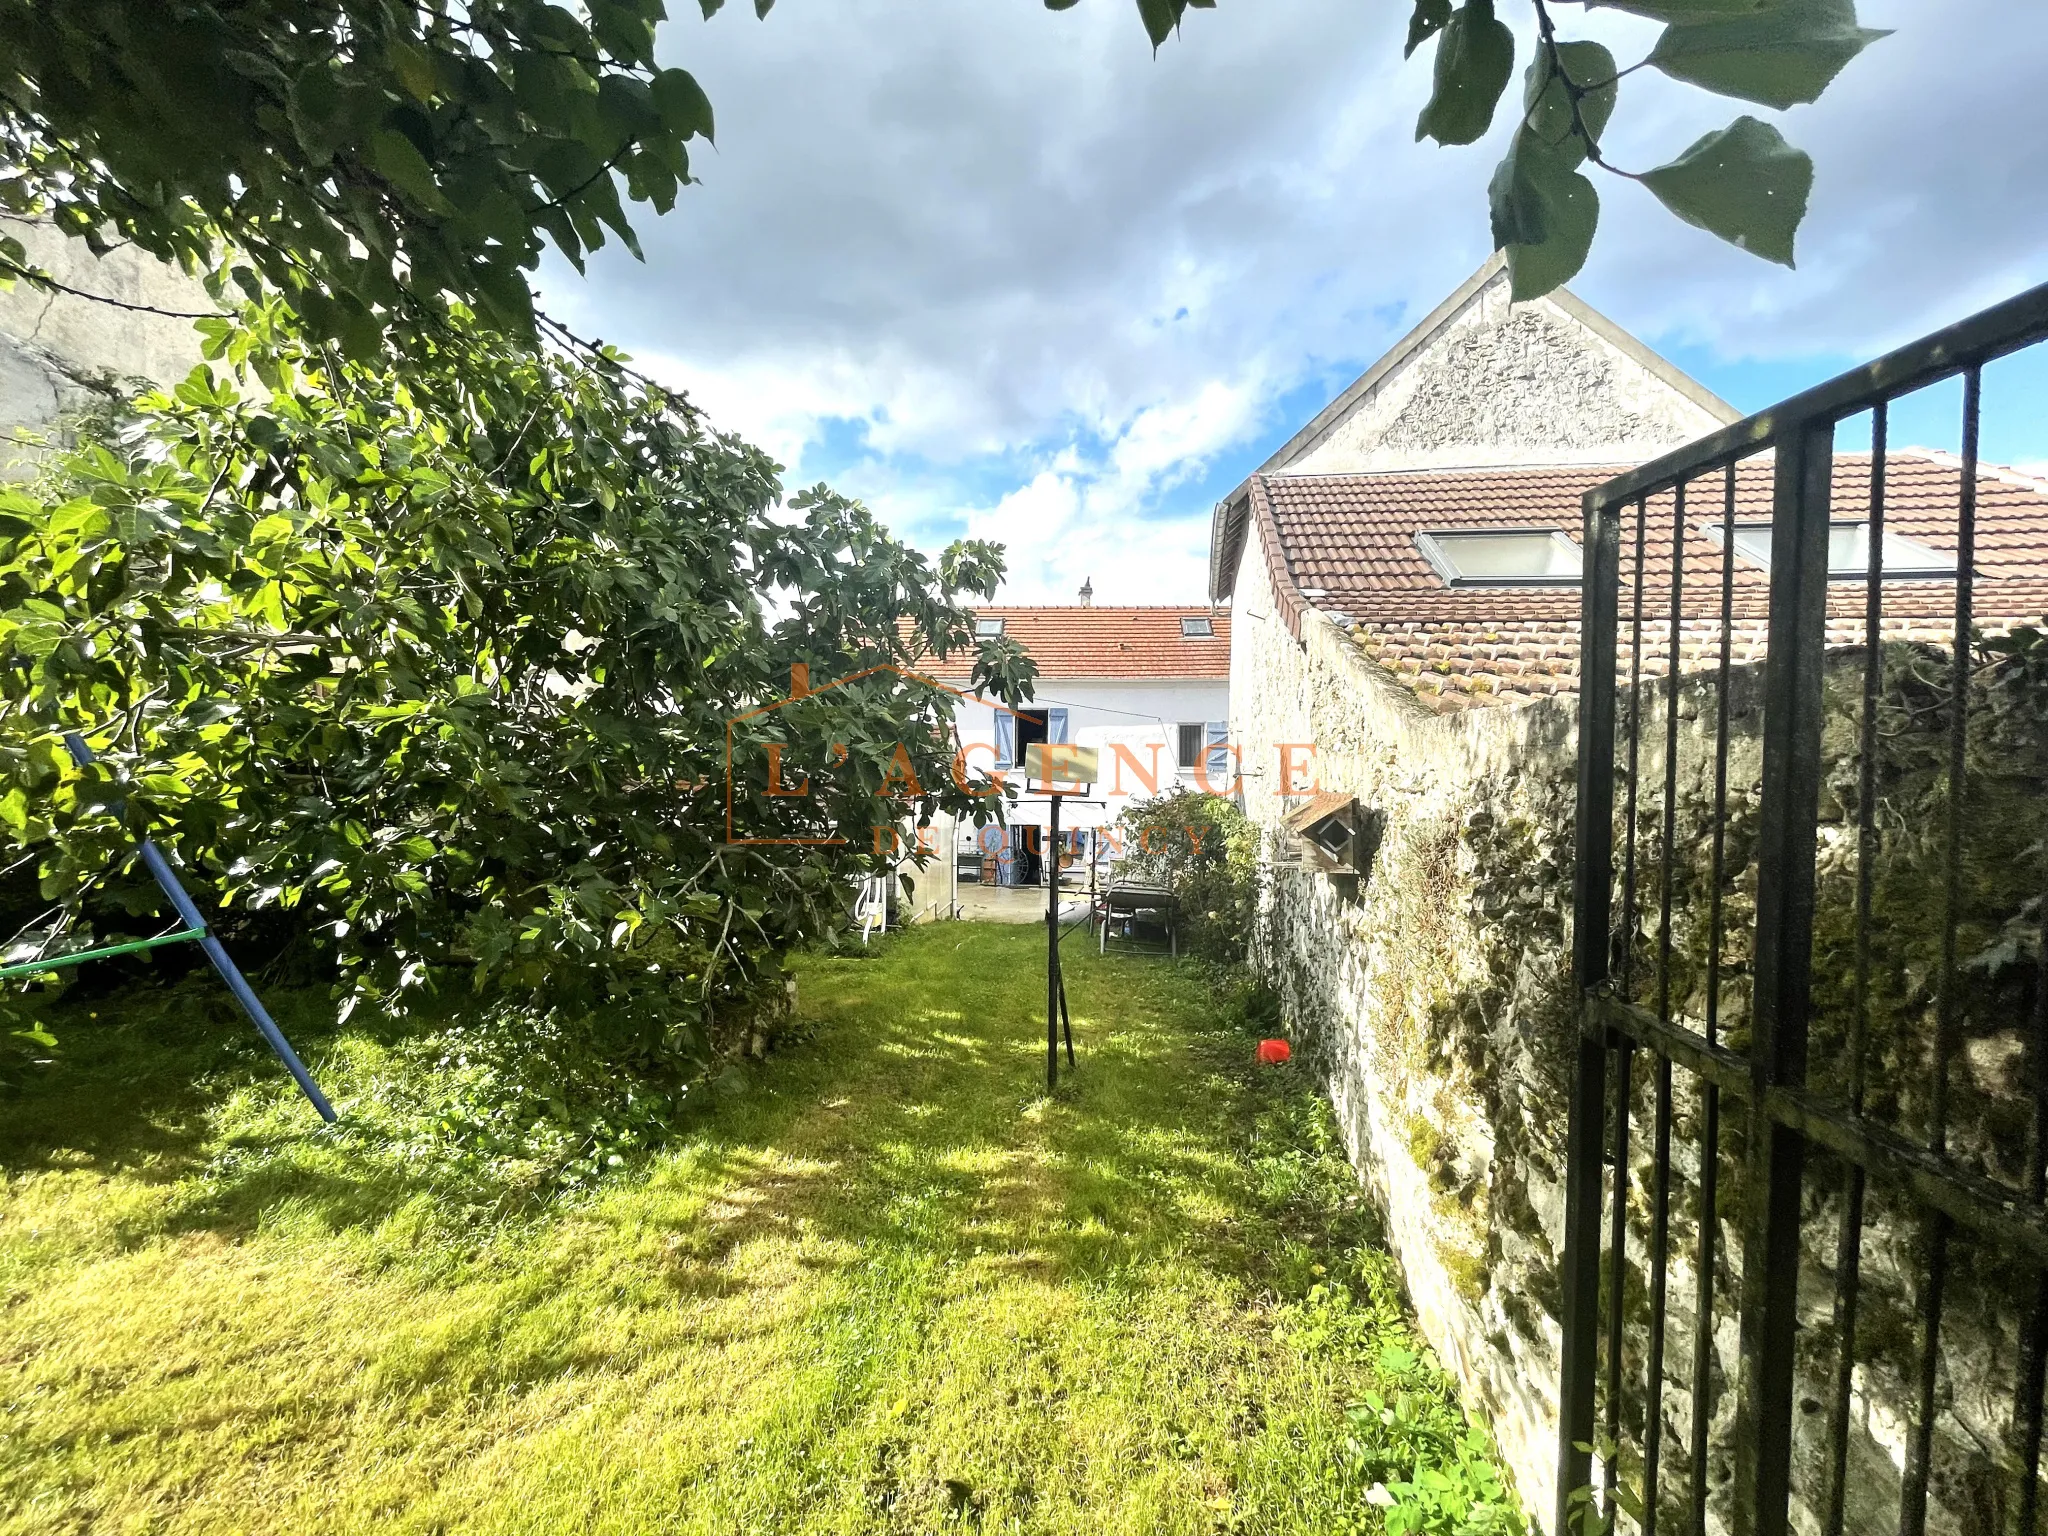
column 1437, row 995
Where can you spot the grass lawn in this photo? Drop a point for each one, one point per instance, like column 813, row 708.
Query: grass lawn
column 884, row 1284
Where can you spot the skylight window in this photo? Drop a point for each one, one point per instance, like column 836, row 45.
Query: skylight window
column 1849, row 552
column 1197, row 629
column 984, row 628
column 1502, row 557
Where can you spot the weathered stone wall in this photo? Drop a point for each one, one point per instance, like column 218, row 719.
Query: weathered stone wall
column 1502, row 383
column 1438, row 997
column 60, row 354
column 1454, row 1128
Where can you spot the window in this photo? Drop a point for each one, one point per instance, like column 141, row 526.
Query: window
column 1502, row 557
column 1195, row 738
column 1849, row 552
column 984, row 628
column 1197, row 629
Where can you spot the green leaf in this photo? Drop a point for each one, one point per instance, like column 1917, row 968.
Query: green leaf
column 394, row 157
column 318, row 112
column 1587, row 68
column 1160, row 18
column 627, row 106
column 1474, row 58
column 622, row 31
column 1429, row 18
column 1782, row 57
column 1743, row 183
column 685, row 109
column 1544, row 215
column 414, row 68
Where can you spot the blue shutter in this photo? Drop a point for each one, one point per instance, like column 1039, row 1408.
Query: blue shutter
column 1006, row 739
column 1215, row 734
column 1055, row 725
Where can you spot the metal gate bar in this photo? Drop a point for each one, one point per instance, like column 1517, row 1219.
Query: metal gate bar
column 1782, row 1118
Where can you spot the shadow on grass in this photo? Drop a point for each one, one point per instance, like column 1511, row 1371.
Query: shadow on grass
column 911, row 1128
column 916, row 1129
column 132, row 1085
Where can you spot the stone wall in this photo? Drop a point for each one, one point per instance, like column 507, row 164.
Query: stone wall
column 1437, row 996
column 1456, row 1134
column 1495, row 383
column 60, row 354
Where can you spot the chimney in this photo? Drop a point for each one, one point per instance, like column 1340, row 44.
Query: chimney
column 1088, row 592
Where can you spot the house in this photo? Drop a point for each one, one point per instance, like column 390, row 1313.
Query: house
column 1148, row 687
column 1404, row 581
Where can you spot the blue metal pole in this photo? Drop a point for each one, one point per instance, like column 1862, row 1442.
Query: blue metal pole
column 167, row 878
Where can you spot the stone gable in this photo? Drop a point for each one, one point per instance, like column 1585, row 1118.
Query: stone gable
column 1485, row 382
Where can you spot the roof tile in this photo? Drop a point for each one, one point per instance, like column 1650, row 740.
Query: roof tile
column 1073, row 641
column 1345, row 544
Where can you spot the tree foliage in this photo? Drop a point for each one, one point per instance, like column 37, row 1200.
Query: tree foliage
column 443, row 655
column 374, row 159
column 1743, row 182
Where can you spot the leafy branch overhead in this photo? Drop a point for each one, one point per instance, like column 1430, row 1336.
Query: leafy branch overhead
column 380, row 162
column 369, row 158
column 1744, row 182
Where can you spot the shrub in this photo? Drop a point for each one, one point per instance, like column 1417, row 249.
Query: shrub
column 1203, row 849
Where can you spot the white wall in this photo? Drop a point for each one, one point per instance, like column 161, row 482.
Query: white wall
column 1137, row 713
column 1140, row 715
column 1114, row 703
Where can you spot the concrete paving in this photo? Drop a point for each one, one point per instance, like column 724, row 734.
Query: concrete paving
column 1007, row 904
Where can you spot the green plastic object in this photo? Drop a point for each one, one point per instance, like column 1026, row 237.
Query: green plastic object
column 34, row 967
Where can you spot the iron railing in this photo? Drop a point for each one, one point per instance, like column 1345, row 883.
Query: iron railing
column 1674, row 968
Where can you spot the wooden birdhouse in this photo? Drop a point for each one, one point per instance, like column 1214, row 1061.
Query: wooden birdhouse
column 1335, row 835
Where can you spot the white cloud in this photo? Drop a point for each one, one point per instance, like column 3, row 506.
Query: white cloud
column 1059, row 535
column 1052, row 277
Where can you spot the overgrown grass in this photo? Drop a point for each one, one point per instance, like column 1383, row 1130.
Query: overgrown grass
column 881, row 1283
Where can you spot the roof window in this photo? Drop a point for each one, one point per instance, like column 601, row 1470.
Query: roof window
column 1849, row 552
column 1197, row 629
column 984, row 628
column 1502, row 557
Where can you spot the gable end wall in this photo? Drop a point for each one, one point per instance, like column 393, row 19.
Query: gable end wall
column 1500, row 384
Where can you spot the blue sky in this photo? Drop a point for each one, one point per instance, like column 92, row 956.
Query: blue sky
column 1003, row 272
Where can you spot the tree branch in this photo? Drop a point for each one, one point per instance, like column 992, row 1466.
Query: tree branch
column 1574, row 93
column 49, row 284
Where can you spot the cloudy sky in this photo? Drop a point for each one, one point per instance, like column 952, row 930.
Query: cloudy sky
column 1003, row 273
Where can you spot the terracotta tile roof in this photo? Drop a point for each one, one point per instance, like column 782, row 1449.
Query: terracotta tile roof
column 1068, row 640
column 1345, row 544
column 1454, row 666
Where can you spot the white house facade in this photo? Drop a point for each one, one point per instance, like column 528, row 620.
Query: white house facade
column 1147, row 687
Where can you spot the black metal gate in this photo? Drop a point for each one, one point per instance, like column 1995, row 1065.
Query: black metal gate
column 1803, row 1272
